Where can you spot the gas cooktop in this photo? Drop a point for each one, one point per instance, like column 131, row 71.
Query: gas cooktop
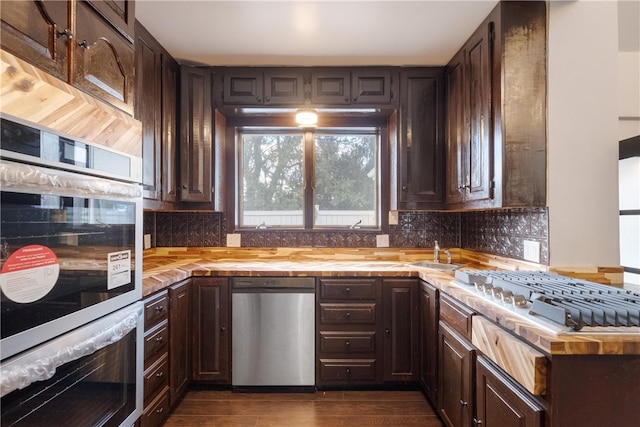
column 570, row 302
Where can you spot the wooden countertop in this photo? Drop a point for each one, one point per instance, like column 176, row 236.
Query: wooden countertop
column 166, row 266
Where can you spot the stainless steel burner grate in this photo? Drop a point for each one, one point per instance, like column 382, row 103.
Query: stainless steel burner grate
column 571, row 302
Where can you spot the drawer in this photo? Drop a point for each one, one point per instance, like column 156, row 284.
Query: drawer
column 156, row 378
column 347, row 342
column 456, row 315
column 156, row 309
column 348, row 289
column 155, row 414
column 156, row 342
column 348, row 313
column 347, row 369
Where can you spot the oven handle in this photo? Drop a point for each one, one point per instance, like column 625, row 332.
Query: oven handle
column 41, row 362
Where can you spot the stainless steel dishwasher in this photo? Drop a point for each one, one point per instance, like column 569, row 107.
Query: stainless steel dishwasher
column 273, row 332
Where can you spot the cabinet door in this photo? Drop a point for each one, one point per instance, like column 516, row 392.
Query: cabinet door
column 422, row 144
column 243, row 86
column 211, row 337
column 480, row 149
column 283, row 87
column 119, row 13
column 500, row 402
column 37, row 32
column 169, row 177
column 330, row 86
column 103, row 60
column 180, row 325
column 401, row 325
column 147, row 108
column 455, row 378
column 371, row 86
column 429, row 341
column 195, row 135
column 457, row 131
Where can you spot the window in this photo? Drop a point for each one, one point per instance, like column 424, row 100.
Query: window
column 309, row 179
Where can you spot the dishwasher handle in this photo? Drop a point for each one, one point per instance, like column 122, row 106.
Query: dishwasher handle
column 273, row 284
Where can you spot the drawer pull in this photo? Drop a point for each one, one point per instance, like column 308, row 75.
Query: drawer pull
column 159, row 308
column 159, row 411
column 348, row 370
column 347, row 290
column 160, row 374
column 159, row 339
column 347, row 344
column 463, row 403
column 477, row 422
column 348, row 315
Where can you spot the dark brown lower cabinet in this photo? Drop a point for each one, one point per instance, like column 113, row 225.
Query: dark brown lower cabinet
column 502, row 403
column 211, row 331
column 400, row 306
column 429, row 341
column 455, row 378
column 180, row 326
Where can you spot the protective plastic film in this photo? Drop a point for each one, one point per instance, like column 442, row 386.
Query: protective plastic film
column 40, row 363
column 25, row 177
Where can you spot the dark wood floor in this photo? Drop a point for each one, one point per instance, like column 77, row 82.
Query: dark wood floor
column 207, row 408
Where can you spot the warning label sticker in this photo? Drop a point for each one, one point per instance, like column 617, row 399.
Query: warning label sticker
column 119, row 269
column 29, row 273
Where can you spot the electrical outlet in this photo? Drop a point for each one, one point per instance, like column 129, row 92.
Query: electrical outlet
column 233, row 240
column 393, row 217
column 532, row 251
column 382, row 240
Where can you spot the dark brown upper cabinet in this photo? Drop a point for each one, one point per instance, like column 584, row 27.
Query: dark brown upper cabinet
column 119, row 13
column 196, row 135
column 421, row 142
column 370, row 86
column 331, row 86
column 256, row 86
column 156, row 91
column 499, row 73
column 38, row 32
column 47, row 33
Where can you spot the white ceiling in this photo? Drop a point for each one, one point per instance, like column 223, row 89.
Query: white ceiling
column 312, row 33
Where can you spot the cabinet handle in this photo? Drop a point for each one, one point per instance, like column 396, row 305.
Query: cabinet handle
column 159, row 411
column 184, row 187
column 267, row 99
column 346, row 98
column 223, row 329
column 477, row 422
column 355, row 98
column 463, row 403
column 85, row 44
column 347, row 343
column 159, row 339
column 387, row 331
column 259, row 98
column 159, row 308
column 160, row 374
column 405, row 188
column 348, row 371
column 348, row 315
column 66, row 33
column 347, row 290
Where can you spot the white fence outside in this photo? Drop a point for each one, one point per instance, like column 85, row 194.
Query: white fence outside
column 294, row 218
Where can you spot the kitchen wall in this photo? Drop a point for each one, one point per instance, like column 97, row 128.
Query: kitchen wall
column 500, row 232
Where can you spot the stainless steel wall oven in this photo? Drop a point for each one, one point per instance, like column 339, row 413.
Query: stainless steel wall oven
column 70, row 254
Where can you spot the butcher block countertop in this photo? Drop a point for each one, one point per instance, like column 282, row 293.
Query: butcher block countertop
column 166, row 266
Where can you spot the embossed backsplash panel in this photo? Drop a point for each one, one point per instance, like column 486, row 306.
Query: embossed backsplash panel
column 500, row 232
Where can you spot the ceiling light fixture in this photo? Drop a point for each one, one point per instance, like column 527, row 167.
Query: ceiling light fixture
column 307, row 117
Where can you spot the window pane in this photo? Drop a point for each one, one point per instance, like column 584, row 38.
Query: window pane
column 346, row 179
column 272, row 180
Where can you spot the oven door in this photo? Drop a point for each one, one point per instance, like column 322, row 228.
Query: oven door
column 68, row 245
column 91, row 376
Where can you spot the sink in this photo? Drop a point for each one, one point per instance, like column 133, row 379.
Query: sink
column 434, row 265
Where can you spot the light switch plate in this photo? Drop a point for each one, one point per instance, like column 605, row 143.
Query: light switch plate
column 382, row 240
column 147, row 241
column 532, row 251
column 393, row 217
column 233, row 240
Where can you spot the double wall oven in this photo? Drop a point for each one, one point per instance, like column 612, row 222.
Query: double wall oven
column 70, row 280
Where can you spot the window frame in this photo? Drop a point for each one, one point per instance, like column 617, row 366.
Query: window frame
column 238, row 124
